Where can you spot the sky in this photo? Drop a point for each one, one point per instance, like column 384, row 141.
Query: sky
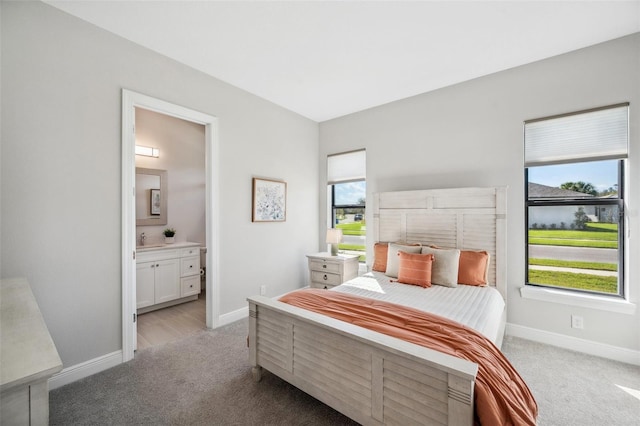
column 350, row 192
column 601, row 174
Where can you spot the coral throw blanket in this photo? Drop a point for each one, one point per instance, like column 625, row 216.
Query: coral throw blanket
column 501, row 396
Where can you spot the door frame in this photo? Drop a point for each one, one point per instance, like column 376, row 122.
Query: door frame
column 130, row 101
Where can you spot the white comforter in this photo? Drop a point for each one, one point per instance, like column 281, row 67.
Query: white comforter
column 480, row 308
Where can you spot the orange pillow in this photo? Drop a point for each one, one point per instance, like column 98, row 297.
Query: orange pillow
column 415, row 269
column 380, row 257
column 473, row 268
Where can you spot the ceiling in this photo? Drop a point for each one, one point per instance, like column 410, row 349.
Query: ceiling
column 326, row 59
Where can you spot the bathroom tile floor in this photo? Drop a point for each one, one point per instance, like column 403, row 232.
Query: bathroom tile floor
column 172, row 323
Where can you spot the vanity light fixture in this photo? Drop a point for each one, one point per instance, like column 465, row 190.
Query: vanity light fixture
column 147, row 151
column 334, row 237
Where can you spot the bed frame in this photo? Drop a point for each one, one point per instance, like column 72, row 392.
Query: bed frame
column 370, row 377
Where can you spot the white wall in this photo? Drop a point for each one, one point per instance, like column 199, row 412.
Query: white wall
column 470, row 134
column 61, row 173
column 182, row 151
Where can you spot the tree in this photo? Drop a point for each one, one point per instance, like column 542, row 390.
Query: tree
column 585, row 188
column 612, row 190
column 581, row 218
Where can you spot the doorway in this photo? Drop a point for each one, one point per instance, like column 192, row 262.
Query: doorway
column 131, row 101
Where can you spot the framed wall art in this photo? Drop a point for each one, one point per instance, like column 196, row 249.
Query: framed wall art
column 269, row 200
column 155, row 202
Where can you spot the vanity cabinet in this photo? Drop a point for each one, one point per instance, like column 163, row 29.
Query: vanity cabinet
column 157, row 281
column 167, row 275
column 190, row 271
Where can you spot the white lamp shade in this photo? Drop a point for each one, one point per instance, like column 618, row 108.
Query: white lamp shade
column 334, row 236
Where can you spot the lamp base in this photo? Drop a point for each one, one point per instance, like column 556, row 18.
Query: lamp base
column 334, row 249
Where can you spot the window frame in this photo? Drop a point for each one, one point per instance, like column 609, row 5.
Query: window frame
column 618, row 202
column 343, row 206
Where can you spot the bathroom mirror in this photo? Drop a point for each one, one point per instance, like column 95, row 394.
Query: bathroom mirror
column 151, row 197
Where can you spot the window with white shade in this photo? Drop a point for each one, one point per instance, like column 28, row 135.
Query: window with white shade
column 347, row 195
column 574, row 200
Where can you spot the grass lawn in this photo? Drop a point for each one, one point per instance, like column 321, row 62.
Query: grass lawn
column 574, row 264
column 354, row 228
column 577, row 281
column 596, row 235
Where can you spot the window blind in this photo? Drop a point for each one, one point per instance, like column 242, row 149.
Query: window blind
column 346, row 167
column 598, row 134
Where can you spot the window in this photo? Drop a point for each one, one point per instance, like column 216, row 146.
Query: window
column 574, row 200
column 347, row 192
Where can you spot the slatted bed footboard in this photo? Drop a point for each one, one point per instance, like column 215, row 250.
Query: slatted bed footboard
column 370, row 377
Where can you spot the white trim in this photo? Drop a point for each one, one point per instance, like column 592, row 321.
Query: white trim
column 130, row 101
column 564, row 297
column 234, row 316
column 616, row 353
column 85, row 369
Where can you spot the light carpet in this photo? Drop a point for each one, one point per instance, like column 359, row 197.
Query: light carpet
column 205, row 379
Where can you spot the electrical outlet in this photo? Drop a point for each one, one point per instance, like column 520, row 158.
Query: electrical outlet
column 263, row 290
column 577, row 322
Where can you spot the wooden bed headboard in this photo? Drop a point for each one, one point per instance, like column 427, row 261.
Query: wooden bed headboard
column 463, row 218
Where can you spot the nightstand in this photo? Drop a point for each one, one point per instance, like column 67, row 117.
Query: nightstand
column 328, row 271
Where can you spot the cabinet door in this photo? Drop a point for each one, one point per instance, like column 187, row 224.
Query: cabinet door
column 167, row 280
column 145, row 284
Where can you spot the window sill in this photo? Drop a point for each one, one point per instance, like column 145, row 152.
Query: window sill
column 583, row 300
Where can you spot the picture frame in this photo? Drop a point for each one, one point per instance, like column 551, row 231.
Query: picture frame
column 269, row 200
column 155, row 202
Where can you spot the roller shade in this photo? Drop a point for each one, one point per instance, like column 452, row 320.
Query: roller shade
column 346, row 167
column 599, row 134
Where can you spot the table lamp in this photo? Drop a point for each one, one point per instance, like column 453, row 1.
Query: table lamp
column 334, row 237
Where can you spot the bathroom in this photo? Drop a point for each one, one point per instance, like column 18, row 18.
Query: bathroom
column 170, row 170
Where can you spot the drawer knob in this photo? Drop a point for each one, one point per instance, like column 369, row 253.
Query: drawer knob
column 325, row 277
column 324, row 266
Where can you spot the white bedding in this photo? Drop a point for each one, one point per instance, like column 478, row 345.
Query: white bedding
column 480, row 308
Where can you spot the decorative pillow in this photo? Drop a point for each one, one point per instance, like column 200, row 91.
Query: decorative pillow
column 380, row 257
column 415, row 269
column 445, row 266
column 393, row 261
column 474, row 267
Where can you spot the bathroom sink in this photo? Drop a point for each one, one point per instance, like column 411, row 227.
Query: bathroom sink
column 150, row 246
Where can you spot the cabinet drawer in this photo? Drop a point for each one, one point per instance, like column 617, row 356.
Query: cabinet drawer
column 190, row 266
column 325, row 278
column 190, row 251
column 154, row 255
column 189, row 286
column 318, row 265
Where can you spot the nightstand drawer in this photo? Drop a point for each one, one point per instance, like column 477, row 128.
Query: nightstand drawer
column 316, row 265
column 326, row 278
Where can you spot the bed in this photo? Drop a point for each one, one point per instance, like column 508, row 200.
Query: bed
column 349, row 367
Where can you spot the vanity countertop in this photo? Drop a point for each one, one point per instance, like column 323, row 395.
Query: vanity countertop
column 163, row 246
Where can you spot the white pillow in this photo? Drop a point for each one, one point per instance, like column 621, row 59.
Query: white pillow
column 444, row 270
column 393, row 260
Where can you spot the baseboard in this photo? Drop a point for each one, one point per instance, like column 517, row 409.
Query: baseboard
column 589, row 347
column 85, row 369
column 234, row 316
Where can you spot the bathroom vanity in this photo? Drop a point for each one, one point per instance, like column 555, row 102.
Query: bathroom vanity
column 167, row 274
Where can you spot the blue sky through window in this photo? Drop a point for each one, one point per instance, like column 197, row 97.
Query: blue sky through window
column 350, row 193
column 601, row 174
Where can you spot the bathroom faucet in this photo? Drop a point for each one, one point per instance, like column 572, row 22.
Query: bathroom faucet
column 142, row 238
